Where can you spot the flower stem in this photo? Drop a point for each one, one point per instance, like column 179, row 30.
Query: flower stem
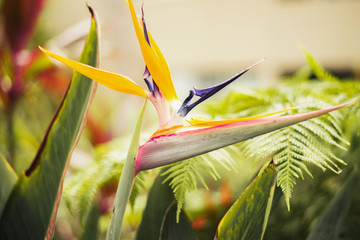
column 125, row 185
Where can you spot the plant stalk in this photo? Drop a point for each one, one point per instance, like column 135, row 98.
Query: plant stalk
column 125, row 185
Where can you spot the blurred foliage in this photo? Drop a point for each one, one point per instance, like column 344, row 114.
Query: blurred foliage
column 27, row 78
column 32, row 207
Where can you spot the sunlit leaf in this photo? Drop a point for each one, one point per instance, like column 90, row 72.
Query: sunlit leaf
column 247, row 218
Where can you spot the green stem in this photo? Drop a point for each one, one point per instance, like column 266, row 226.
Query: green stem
column 125, row 185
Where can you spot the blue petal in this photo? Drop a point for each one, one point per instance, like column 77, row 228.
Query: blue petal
column 206, row 93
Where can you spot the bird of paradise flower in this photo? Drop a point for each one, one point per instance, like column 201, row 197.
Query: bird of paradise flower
column 179, row 137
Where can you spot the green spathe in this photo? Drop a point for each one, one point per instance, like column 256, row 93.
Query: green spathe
column 166, row 149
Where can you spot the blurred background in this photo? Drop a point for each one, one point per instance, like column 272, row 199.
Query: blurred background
column 208, row 40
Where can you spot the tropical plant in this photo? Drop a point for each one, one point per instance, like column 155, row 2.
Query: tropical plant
column 191, row 149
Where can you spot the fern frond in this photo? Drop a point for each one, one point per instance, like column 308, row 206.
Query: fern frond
column 310, row 142
column 293, row 148
column 317, row 68
column 80, row 189
column 138, row 185
column 184, row 176
column 301, row 75
column 182, row 179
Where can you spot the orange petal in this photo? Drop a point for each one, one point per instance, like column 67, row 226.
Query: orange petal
column 112, row 80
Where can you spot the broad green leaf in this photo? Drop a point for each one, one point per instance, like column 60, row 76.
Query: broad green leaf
column 91, row 227
column 331, row 221
column 126, row 183
column 8, row 179
column 173, row 230
column 247, row 218
column 31, row 210
column 159, row 217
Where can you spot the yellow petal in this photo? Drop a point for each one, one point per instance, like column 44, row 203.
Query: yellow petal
column 153, row 58
column 203, row 122
column 112, row 80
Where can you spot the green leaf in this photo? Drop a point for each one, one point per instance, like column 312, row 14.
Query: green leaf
column 247, row 218
column 126, row 183
column 32, row 206
column 173, row 230
column 332, row 219
column 8, row 179
column 91, row 227
column 159, row 217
